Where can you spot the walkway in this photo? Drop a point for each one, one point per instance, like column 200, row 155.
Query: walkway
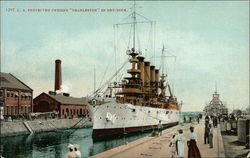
column 159, row 146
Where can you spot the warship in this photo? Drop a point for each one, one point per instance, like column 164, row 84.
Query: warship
column 216, row 107
column 140, row 101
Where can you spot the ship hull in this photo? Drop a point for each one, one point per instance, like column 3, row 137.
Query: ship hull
column 112, row 118
column 126, row 130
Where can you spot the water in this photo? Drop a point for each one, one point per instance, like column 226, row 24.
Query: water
column 54, row 144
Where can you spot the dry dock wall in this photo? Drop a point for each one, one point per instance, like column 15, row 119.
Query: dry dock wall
column 35, row 126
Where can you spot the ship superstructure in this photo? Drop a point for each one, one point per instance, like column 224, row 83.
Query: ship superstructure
column 140, row 102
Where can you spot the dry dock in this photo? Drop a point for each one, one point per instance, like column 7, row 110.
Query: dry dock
column 159, row 146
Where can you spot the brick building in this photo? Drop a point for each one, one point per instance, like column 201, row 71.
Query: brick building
column 63, row 104
column 15, row 96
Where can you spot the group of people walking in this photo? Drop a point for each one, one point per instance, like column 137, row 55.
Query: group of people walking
column 177, row 144
column 208, row 135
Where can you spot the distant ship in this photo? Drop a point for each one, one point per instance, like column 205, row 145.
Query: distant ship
column 216, row 107
column 139, row 104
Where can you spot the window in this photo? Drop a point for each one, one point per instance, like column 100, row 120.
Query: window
column 1, row 93
column 9, row 110
column 12, row 110
column 16, row 109
column 25, row 109
column 8, row 94
column 22, row 96
column 74, row 111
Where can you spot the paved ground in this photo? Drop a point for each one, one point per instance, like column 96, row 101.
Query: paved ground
column 233, row 148
column 157, row 147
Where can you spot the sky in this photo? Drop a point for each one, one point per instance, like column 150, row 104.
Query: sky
column 209, row 39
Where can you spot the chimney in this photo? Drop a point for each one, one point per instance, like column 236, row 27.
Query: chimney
column 147, row 73
column 152, row 74
column 58, row 75
column 141, row 67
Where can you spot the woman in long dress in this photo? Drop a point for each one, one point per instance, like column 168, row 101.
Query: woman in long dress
column 211, row 135
column 180, row 139
column 193, row 150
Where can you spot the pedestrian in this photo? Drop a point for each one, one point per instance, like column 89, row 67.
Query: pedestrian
column 211, row 130
column 159, row 126
column 71, row 153
column 172, row 146
column 206, row 134
column 193, row 150
column 211, row 119
column 215, row 121
column 77, row 150
column 198, row 119
column 229, row 127
column 180, row 139
column 206, row 120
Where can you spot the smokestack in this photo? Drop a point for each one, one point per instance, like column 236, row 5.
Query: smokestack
column 58, row 75
column 141, row 67
column 152, row 74
column 147, row 73
column 157, row 75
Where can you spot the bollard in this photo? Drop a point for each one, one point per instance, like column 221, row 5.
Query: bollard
column 243, row 130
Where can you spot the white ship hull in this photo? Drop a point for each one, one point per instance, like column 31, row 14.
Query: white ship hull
column 113, row 118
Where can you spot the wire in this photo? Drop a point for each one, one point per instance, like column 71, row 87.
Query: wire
column 111, row 78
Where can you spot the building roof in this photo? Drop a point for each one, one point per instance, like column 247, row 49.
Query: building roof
column 68, row 100
column 7, row 80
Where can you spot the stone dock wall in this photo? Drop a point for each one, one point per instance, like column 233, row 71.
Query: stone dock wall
column 26, row 127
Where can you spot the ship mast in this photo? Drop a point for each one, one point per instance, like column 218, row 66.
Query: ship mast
column 162, row 80
column 163, row 75
column 215, row 87
column 134, row 23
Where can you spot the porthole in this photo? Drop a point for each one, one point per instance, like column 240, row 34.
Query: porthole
column 94, row 102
